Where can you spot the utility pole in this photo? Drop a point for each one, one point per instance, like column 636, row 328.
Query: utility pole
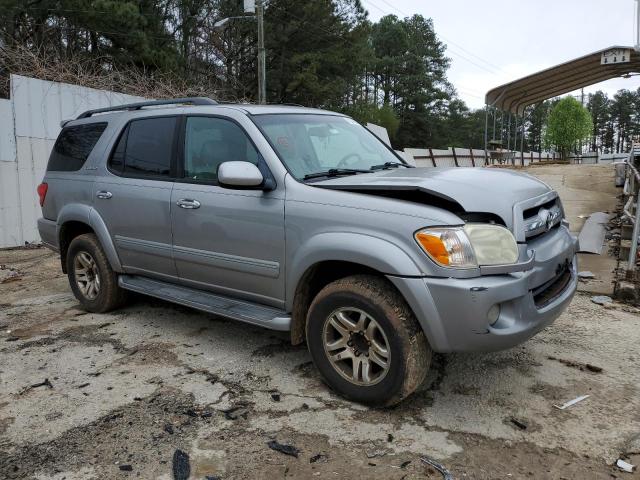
column 262, row 67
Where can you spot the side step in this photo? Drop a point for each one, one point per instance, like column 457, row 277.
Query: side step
column 242, row 310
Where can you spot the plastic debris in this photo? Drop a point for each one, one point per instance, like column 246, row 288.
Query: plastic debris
column 601, row 299
column 46, row 383
column 181, row 466
column 286, row 449
column 625, row 466
column 440, row 468
column 572, row 402
column 518, row 423
column 318, row 458
column 169, row 428
column 275, row 396
column 126, row 468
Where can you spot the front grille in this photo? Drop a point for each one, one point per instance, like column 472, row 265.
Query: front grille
column 541, row 219
column 549, row 291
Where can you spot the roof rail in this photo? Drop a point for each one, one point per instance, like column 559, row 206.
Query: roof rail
column 151, row 103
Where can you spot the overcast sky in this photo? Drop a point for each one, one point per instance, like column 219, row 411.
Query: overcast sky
column 493, row 42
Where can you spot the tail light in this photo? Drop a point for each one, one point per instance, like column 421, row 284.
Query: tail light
column 42, row 192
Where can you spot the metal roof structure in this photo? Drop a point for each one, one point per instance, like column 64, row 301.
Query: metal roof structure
column 596, row 67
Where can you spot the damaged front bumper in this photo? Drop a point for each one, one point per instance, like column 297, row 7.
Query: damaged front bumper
column 455, row 312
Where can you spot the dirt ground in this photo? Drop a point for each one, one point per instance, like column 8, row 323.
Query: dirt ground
column 120, row 393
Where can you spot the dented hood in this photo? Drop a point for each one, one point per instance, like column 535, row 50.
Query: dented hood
column 474, row 189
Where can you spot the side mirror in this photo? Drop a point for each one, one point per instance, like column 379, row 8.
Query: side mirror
column 239, row 175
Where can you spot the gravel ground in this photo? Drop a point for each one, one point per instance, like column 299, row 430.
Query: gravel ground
column 126, row 390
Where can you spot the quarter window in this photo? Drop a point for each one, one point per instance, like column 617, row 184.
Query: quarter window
column 73, row 146
column 145, row 148
column 211, row 141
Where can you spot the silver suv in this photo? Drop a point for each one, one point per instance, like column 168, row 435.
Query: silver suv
column 302, row 220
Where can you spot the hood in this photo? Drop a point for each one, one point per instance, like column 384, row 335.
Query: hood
column 475, row 190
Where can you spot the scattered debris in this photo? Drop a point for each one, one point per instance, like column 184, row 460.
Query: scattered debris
column 521, row 425
column 12, row 339
column 181, row 466
column 572, row 402
column 405, row 464
column 126, row 468
column 212, row 477
column 236, row 412
column 440, row 468
column 286, row 449
column 586, row 275
column 389, row 437
column 318, row 458
column 625, row 466
column 192, row 413
column 275, row 396
column 602, row 299
column 83, row 385
column 168, row 428
column 7, row 276
column 376, row 453
column 578, row 365
column 46, row 383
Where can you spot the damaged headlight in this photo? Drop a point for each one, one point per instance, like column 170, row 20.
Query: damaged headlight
column 470, row 246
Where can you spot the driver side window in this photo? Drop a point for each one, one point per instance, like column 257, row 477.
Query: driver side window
column 210, row 142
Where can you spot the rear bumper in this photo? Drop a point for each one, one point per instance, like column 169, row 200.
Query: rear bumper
column 453, row 312
column 48, row 230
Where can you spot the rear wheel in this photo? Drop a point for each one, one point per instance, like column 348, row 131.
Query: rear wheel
column 366, row 342
column 91, row 278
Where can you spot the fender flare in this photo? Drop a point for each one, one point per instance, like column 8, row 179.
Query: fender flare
column 86, row 214
column 373, row 252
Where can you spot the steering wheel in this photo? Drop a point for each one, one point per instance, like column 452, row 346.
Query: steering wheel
column 343, row 162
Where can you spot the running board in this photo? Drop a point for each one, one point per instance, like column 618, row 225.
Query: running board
column 242, row 310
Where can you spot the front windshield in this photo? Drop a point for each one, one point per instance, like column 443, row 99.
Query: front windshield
column 310, row 144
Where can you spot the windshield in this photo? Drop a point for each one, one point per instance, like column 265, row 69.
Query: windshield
column 311, row 144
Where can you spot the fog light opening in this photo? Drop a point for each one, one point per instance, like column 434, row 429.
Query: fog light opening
column 493, row 314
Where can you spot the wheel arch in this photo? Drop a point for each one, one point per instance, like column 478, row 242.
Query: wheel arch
column 78, row 219
column 329, row 257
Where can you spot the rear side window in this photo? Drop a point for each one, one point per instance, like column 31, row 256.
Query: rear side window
column 73, row 146
column 145, row 148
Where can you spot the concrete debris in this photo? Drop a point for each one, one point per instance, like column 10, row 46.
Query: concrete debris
column 282, row 448
column 181, row 465
column 586, row 275
column 601, row 299
column 625, row 466
column 572, row 402
column 376, row 453
column 440, row 468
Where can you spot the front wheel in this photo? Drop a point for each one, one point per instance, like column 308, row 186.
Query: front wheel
column 366, row 342
column 91, row 278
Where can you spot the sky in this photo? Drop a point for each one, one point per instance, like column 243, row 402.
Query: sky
column 493, row 42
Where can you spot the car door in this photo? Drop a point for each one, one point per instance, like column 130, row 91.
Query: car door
column 133, row 195
column 225, row 240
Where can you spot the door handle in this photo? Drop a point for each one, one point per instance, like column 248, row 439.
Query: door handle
column 188, row 203
column 104, row 194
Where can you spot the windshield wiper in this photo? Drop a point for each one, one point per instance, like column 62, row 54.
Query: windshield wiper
column 334, row 172
column 388, row 165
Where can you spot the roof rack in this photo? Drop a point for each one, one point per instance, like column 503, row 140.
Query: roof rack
column 151, row 103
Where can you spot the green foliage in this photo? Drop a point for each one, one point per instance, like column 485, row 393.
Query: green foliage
column 569, row 123
column 385, row 116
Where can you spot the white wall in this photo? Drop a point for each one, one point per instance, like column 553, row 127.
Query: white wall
column 29, row 124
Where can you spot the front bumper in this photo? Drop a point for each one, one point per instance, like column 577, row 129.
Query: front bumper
column 453, row 311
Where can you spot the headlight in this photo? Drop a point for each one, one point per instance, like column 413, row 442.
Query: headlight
column 469, row 246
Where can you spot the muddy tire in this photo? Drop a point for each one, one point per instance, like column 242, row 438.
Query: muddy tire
column 91, row 278
column 366, row 342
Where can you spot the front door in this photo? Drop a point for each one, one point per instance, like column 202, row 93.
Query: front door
column 133, row 196
column 225, row 240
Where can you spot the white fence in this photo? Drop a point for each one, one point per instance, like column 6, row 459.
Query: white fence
column 29, row 125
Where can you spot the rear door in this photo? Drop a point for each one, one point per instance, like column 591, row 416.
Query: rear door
column 226, row 240
column 133, row 195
